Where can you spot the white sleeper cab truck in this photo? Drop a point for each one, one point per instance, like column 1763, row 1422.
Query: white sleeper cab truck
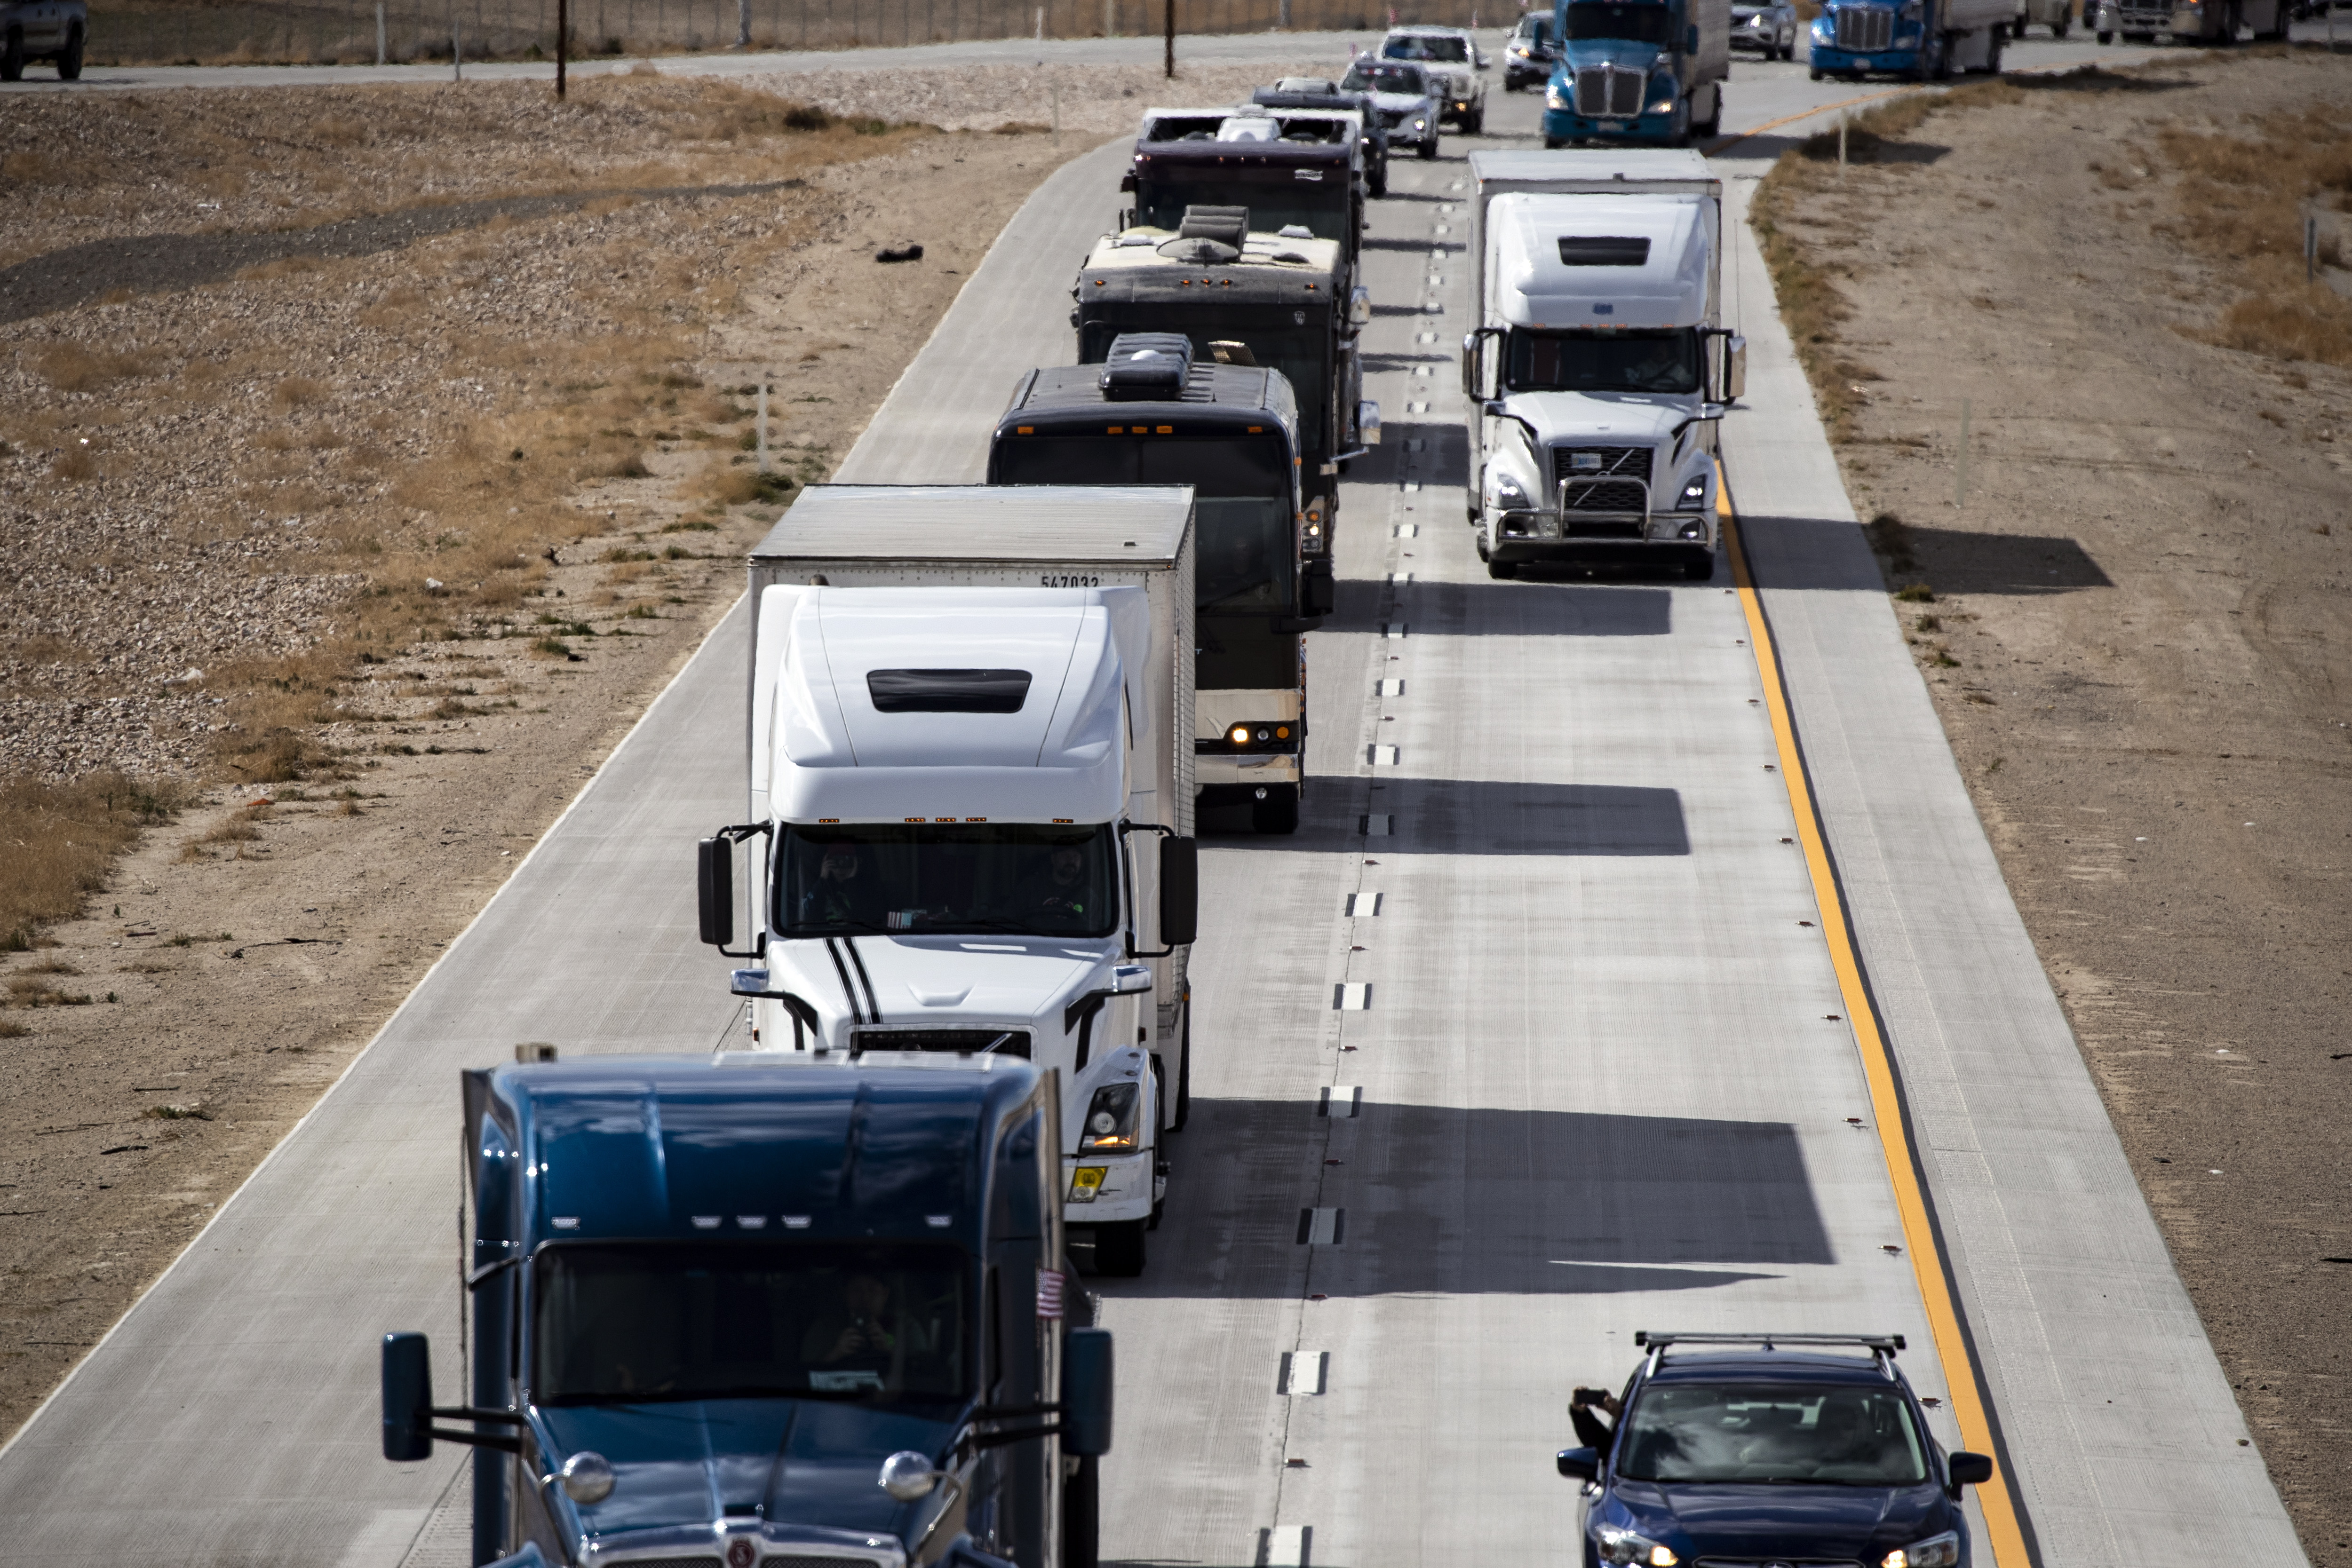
column 970, row 823
column 1600, row 365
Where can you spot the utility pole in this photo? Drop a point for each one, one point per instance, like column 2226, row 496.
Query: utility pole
column 563, row 41
column 1168, row 8
column 744, row 24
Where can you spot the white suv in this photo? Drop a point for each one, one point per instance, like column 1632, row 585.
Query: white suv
column 1452, row 53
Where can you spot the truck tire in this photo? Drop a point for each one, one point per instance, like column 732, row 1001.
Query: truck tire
column 1183, row 1072
column 1700, row 570
column 1118, row 1249
column 1278, row 813
column 1992, row 54
column 2105, row 38
column 1714, row 126
column 69, row 63
column 1082, row 1515
column 1941, row 70
column 1475, row 124
column 1817, row 73
column 1502, row 570
column 12, row 57
column 1429, row 148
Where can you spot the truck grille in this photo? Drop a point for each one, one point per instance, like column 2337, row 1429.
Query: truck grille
column 1582, row 462
column 1605, row 496
column 785, row 1560
column 1015, row 1042
column 1864, row 29
column 1605, row 92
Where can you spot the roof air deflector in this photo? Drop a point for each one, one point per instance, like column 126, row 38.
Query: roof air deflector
column 947, row 691
column 1604, row 250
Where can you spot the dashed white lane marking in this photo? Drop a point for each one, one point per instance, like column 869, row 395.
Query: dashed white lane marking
column 1385, row 757
column 1393, row 631
column 1399, row 579
column 1426, row 338
column 1342, row 1101
column 1410, row 485
column 1391, row 688
column 1352, row 996
column 1285, row 1545
column 1303, row 1372
column 1322, row 1227
column 1407, row 531
column 1418, row 370
column 1364, row 906
column 1416, row 408
column 1379, row 825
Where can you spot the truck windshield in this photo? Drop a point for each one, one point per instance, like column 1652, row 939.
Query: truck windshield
column 648, row 1320
column 1032, row 879
column 1661, row 362
column 1631, row 24
column 1322, row 207
column 1421, row 46
column 1772, row 1434
column 1242, row 557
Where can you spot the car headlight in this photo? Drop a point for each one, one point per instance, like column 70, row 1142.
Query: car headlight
column 1421, row 125
column 1694, row 494
column 1110, row 1120
column 1616, row 1545
column 1936, row 1551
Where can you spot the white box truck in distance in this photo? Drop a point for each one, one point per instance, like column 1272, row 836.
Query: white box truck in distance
column 1600, row 364
column 972, row 794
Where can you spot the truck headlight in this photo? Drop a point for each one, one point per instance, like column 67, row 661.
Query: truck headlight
column 1664, row 105
column 1936, row 1551
column 1614, row 1544
column 1694, row 494
column 1556, row 96
column 1509, row 494
column 1110, row 1120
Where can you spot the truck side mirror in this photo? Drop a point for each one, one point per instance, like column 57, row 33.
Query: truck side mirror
column 1690, row 39
column 1127, row 181
column 1968, row 1469
column 1470, row 365
column 1360, row 306
column 1318, row 595
column 1580, row 1464
column 1735, row 369
column 714, row 889
column 1086, row 1386
column 1179, row 900
column 408, row 1398
column 1368, row 423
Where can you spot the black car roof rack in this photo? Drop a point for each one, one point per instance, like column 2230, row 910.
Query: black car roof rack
column 1890, row 1343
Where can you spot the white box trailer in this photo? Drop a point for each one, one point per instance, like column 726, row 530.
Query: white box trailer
column 969, row 736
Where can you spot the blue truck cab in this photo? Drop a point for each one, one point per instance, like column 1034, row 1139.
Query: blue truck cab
column 779, row 1309
column 1924, row 40
column 1635, row 73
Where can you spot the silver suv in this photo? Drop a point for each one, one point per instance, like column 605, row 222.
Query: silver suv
column 42, row 30
column 1451, row 55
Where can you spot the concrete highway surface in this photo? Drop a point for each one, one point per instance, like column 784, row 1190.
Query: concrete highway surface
column 1612, row 1064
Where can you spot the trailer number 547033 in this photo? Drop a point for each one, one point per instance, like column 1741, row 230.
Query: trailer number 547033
column 1070, row 580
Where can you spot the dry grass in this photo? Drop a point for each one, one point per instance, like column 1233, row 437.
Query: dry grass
column 57, row 841
column 78, row 368
column 2243, row 198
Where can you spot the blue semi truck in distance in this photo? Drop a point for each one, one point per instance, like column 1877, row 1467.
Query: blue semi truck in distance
column 773, row 1310
column 1637, row 73
column 1924, row 40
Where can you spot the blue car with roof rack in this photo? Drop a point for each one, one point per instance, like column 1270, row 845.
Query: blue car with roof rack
column 1771, row 1450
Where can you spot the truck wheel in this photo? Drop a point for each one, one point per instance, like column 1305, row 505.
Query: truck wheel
column 1942, row 69
column 1118, row 1249
column 1476, row 125
column 2058, row 28
column 1082, row 1515
column 1700, row 569
column 2105, row 38
column 1429, row 148
column 1502, row 570
column 1817, row 73
column 12, row 57
column 1714, row 126
column 69, row 63
column 1993, row 56
column 1278, row 813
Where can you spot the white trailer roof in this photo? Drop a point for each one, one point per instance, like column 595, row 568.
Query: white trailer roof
column 1681, row 169
column 1108, row 525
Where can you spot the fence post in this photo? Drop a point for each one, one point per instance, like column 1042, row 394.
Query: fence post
column 1167, row 9
column 379, row 32
column 763, row 421
column 2310, row 247
column 1961, row 466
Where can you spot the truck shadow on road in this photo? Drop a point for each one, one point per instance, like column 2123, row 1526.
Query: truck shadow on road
column 1823, row 553
column 1524, row 608
column 1457, row 1200
column 1476, row 817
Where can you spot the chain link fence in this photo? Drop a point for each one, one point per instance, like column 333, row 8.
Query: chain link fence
column 357, row 32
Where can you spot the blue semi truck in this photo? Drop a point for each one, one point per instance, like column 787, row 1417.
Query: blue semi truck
column 1638, row 73
column 1924, row 40
column 790, row 1310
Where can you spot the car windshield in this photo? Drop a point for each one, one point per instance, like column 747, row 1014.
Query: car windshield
column 1773, row 1435
column 1659, row 361
column 1534, row 28
column 1423, row 47
column 1242, row 558
column 1029, row 879
column 1324, row 208
column 652, row 1321
column 1633, row 23
column 1367, row 76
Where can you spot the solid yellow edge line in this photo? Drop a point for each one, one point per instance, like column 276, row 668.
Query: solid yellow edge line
column 2006, row 1538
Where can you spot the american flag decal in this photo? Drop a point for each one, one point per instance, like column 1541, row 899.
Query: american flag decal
column 1049, row 1294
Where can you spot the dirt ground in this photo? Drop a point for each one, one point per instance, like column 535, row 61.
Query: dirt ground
column 418, row 459
column 2139, row 634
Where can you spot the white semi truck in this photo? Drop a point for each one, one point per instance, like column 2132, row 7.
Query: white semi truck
column 1600, row 365
column 970, row 737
